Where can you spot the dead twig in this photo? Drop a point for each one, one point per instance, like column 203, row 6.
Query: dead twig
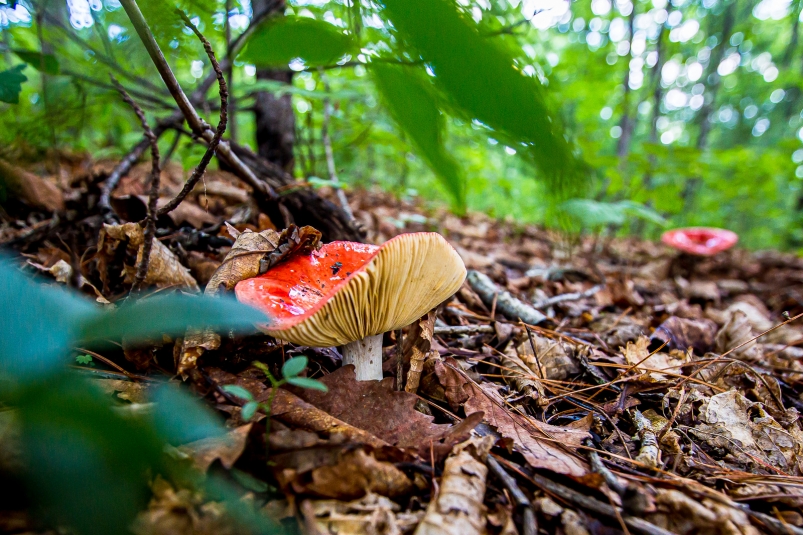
column 330, row 155
column 464, row 329
column 153, row 195
column 562, row 298
column 529, row 524
column 221, row 126
column 512, row 307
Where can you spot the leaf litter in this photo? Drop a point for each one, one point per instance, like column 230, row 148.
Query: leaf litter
column 568, row 387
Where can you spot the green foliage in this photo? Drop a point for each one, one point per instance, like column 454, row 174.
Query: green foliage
column 84, row 360
column 412, row 105
column 479, row 79
column 11, row 84
column 46, row 63
column 593, row 214
column 280, row 40
column 69, row 431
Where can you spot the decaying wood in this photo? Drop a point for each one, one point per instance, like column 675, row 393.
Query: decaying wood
column 458, row 508
column 649, row 453
column 512, row 307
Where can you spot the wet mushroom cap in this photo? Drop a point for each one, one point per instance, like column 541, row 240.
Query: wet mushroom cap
column 347, row 291
column 701, row 241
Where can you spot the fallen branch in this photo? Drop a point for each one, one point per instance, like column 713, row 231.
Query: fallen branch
column 562, row 298
column 330, row 155
column 153, row 196
column 221, row 126
column 197, row 125
column 512, row 307
column 649, row 451
column 529, row 524
column 465, row 329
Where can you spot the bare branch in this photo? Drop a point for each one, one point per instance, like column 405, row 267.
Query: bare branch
column 330, row 155
column 221, row 126
column 153, row 196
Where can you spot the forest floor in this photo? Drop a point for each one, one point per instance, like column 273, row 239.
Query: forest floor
column 660, row 394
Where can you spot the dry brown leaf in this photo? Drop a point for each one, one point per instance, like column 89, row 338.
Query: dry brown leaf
column 637, row 354
column 355, row 474
column 556, row 357
column 542, row 445
column 390, row 415
column 737, row 331
column 752, row 437
column 416, row 349
column 682, row 333
column 519, row 376
column 30, row 188
column 370, row 515
column 164, row 268
column 458, row 508
column 684, row 515
column 226, row 448
column 127, row 390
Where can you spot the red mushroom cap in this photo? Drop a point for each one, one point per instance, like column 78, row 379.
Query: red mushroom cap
column 346, row 291
column 701, row 241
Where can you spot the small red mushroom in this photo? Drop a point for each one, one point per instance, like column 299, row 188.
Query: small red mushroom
column 700, row 241
column 351, row 293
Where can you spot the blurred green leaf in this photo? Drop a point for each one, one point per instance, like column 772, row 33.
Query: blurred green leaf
column 248, row 410
column 181, row 418
column 171, row 314
column 279, row 40
column 306, row 382
column 46, row 63
column 413, row 107
column 294, row 366
column 37, row 325
column 479, row 78
column 238, row 391
column 86, row 466
column 593, row 214
column 281, row 88
column 11, row 84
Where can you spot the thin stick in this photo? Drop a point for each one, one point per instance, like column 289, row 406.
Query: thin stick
column 529, row 524
column 330, row 155
column 198, row 126
column 567, row 297
column 153, row 196
column 221, row 126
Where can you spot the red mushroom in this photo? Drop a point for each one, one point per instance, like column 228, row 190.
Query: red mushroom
column 700, row 241
column 350, row 293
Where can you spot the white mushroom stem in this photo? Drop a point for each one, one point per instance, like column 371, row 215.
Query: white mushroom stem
column 366, row 355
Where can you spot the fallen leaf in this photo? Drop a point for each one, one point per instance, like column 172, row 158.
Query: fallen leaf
column 226, row 448
column 371, row 514
column 385, row 413
column 682, row 333
column 30, row 188
column 637, row 355
column 542, row 445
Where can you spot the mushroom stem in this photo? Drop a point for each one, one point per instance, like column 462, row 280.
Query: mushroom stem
column 366, row 355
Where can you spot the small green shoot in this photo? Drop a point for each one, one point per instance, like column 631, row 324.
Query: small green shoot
column 290, row 371
column 84, row 360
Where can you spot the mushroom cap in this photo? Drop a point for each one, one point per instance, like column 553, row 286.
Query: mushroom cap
column 701, row 241
column 346, row 291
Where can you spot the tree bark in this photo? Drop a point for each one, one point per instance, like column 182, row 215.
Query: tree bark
column 275, row 120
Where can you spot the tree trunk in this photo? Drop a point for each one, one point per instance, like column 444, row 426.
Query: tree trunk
column 275, row 121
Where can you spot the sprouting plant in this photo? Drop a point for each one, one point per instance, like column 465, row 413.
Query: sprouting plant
column 84, row 360
column 290, row 372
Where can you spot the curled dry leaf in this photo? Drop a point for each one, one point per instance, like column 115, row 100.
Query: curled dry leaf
column 684, row 515
column 226, row 448
column 556, row 358
column 355, row 473
column 458, row 509
column 416, row 349
column 164, row 267
column 737, row 331
column 542, row 445
column 750, row 436
column 519, row 376
column 372, row 514
column 387, row 414
column 637, row 354
column 682, row 333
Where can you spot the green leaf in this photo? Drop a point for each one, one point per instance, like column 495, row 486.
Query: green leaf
column 280, row 40
column 46, row 63
column 83, row 359
column 11, row 84
column 294, row 366
column 590, row 213
column 171, row 314
column 479, row 78
column 239, row 392
column 248, row 410
column 69, row 433
column 306, row 382
column 412, row 106
column 181, row 418
column 644, row 212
